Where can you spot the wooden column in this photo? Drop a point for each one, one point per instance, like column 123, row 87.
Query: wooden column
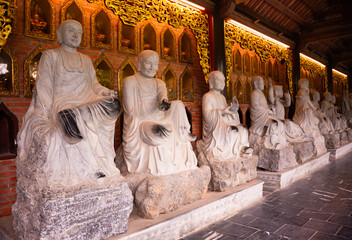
column 329, row 76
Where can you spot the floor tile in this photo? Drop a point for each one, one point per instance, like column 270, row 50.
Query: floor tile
column 241, row 218
column 343, row 220
column 345, row 232
column 315, row 214
column 265, row 225
column 322, row 226
column 237, row 231
column 294, row 232
column 324, row 236
column 291, row 219
column 262, row 235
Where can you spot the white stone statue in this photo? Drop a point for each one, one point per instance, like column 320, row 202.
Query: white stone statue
column 224, row 138
column 305, row 118
column 69, row 126
column 279, row 100
column 264, row 123
column 346, row 108
column 325, row 124
column 304, row 112
column 156, row 132
column 338, row 119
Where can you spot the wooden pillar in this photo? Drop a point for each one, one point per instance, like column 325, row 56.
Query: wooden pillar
column 219, row 39
column 329, row 76
column 296, row 75
column 349, row 80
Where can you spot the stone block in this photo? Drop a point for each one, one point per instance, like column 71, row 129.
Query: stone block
column 276, row 160
column 303, row 150
column 155, row 195
column 90, row 211
column 349, row 134
column 332, row 140
column 343, row 137
column 226, row 174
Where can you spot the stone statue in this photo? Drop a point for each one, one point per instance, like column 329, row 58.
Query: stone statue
column 224, row 137
column 279, row 101
column 263, row 119
column 67, row 179
column 156, row 132
column 224, row 146
column 305, row 118
column 71, row 115
column 337, row 117
column 325, row 124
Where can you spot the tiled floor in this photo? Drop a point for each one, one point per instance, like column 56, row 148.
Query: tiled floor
column 318, row 206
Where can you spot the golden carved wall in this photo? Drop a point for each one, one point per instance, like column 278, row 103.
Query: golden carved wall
column 264, row 48
column 7, row 19
column 132, row 12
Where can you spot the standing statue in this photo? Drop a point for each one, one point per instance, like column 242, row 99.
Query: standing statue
column 156, row 132
column 71, row 115
column 68, row 183
column 223, row 135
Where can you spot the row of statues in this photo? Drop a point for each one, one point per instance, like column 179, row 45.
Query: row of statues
column 68, row 132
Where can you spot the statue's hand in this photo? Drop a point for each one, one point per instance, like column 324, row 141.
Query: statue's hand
column 164, row 105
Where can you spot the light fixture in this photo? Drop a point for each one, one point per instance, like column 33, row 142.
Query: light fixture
column 313, row 60
column 186, row 3
column 244, row 27
column 339, row 72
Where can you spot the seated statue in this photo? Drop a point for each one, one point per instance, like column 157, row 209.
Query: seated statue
column 224, row 137
column 338, row 118
column 71, row 116
column 325, row 124
column 293, row 131
column 330, row 110
column 305, row 118
column 304, row 111
column 156, row 132
column 264, row 123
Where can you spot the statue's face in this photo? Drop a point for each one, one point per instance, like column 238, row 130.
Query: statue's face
column 279, row 92
column 149, row 65
column 219, row 82
column 260, row 84
column 71, row 35
column 316, row 97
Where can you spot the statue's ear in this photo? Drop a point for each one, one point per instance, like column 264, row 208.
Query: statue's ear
column 139, row 65
column 59, row 36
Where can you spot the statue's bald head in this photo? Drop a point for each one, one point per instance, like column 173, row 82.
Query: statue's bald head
column 303, row 83
column 256, row 82
column 213, row 76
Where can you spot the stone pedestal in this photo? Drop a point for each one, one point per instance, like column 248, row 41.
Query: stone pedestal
column 349, row 134
column 226, row 174
column 155, row 195
column 332, row 140
column 87, row 211
column 303, row 150
column 343, row 137
column 339, row 152
column 276, row 159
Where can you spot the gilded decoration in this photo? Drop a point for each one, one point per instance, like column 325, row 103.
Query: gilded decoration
column 168, row 44
column 8, row 73
column 71, row 9
column 132, row 12
column 170, row 79
column 30, row 70
column 126, row 69
column 339, row 78
column 104, row 71
column 7, row 18
column 186, row 81
column 102, row 33
column 127, row 38
column 40, row 19
column 314, row 68
column 264, row 48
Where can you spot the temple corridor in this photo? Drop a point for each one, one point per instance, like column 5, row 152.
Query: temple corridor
column 319, row 206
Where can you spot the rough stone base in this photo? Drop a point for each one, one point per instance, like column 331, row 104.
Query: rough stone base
column 155, row 195
column 226, row 174
column 90, row 211
column 303, row 150
column 332, row 140
column 339, row 152
column 343, row 137
column 276, row 159
column 349, row 134
column 276, row 180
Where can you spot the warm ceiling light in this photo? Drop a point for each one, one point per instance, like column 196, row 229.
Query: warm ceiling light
column 240, row 25
column 311, row 59
column 340, row 72
column 189, row 4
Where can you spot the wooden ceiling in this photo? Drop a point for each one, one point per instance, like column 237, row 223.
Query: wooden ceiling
column 321, row 29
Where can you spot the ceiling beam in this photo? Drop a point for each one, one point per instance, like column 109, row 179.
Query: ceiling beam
column 288, row 12
column 314, row 7
column 342, row 58
column 241, row 10
column 321, row 31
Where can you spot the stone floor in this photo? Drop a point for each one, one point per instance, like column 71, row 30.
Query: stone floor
column 318, row 206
